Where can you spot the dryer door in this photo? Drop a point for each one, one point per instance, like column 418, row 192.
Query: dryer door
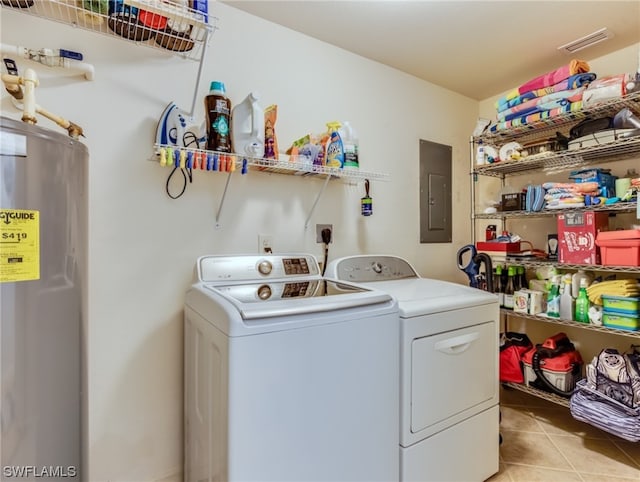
column 453, row 376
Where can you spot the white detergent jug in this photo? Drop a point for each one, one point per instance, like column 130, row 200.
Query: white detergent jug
column 247, row 127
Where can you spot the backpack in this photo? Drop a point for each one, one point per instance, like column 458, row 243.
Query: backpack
column 512, row 348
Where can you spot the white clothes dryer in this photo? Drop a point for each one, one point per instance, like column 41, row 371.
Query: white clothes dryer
column 288, row 376
column 449, row 389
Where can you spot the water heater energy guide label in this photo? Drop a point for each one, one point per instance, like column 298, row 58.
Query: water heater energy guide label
column 19, row 245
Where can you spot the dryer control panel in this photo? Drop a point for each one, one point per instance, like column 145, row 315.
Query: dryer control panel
column 365, row 268
column 256, row 267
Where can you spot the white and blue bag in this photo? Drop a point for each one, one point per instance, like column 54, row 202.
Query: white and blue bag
column 609, row 398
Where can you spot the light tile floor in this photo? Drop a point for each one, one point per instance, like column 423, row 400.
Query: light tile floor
column 542, row 442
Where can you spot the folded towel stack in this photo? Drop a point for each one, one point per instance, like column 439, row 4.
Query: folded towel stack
column 548, row 95
column 560, row 195
column 623, row 287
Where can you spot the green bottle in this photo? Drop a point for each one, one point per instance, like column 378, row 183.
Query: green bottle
column 553, row 300
column 582, row 303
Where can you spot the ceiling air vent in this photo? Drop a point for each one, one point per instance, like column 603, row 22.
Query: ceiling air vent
column 587, row 41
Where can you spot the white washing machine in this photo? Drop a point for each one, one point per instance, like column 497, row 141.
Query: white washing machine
column 288, row 376
column 449, row 390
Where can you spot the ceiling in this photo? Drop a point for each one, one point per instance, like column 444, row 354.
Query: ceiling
column 477, row 48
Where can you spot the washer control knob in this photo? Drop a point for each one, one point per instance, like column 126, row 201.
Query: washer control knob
column 264, row 292
column 265, row 267
column 377, row 267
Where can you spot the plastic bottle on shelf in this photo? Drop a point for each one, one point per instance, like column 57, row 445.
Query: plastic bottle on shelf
column 335, row 148
column 247, row 127
column 522, row 275
column 497, row 285
column 582, row 303
column 350, row 145
column 481, row 157
column 553, row 299
column 509, row 289
column 575, row 281
column 567, row 303
column 217, row 109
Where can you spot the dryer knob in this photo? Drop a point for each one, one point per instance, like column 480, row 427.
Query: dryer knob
column 377, row 267
column 265, row 267
column 264, row 292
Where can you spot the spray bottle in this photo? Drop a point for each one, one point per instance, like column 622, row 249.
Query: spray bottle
column 553, row 300
column 582, row 303
column 335, row 148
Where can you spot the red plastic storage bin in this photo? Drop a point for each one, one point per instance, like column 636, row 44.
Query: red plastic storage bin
column 619, row 248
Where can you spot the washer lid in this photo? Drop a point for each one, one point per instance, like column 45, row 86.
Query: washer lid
column 421, row 296
column 261, row 300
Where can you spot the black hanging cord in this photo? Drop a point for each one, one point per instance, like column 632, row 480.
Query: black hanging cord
column 189, row 139
column 186, row 174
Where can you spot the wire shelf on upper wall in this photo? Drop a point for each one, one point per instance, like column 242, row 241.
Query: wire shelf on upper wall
column 169, row 26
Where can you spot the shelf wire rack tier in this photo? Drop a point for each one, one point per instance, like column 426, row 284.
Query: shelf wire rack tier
column 620, row 207
column 551, row 397
column 543, row 263
column 549, row 162
column 293, row 166
column 575, row 324
column 164, row 26
column 551, row 125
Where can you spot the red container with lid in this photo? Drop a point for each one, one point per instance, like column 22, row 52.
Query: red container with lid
column 620, row 248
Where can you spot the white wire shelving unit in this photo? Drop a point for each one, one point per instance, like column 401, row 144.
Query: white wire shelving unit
column 166, row 26
column 230, row 163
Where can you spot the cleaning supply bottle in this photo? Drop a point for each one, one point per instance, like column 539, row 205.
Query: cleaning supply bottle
column 335, row 148
column 247, row 127
column 509, row 289
column 553, row 299
column 217, row 108
column 567, row 304
column 498, row 288
column 575, row 281
column 582, row 303
column 350, row 145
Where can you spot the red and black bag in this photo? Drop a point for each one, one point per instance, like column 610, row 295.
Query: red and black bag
column 513, row 347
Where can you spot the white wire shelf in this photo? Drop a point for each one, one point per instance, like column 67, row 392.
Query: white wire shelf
column 551, row 397
column 169, row 26
column 548, row 162
column 619, row 207
column 231, row 162
column 561, row 123
column 541, row 263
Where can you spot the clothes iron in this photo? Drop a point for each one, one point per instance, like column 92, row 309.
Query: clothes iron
column 176, row 127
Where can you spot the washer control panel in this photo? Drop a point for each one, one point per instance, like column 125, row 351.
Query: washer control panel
column 256, row 267
column 365, row 268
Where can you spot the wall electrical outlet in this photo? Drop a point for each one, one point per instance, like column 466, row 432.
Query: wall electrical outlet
column 265, row 243
column 319, row 228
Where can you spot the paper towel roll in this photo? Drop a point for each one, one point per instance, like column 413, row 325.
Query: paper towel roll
column 622, row 186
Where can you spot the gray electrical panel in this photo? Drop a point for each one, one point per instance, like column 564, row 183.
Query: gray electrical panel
column 435, row 192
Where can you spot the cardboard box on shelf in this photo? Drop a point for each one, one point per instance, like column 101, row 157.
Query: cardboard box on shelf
column 577, row 232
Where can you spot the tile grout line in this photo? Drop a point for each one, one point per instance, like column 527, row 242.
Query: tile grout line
column 574, row 469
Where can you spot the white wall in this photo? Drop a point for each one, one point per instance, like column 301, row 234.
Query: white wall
column 143, row 245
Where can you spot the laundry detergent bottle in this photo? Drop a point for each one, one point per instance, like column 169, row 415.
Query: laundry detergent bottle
column 217, row 109
column 350, row 145
column 247, row 127
column 335, row 148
